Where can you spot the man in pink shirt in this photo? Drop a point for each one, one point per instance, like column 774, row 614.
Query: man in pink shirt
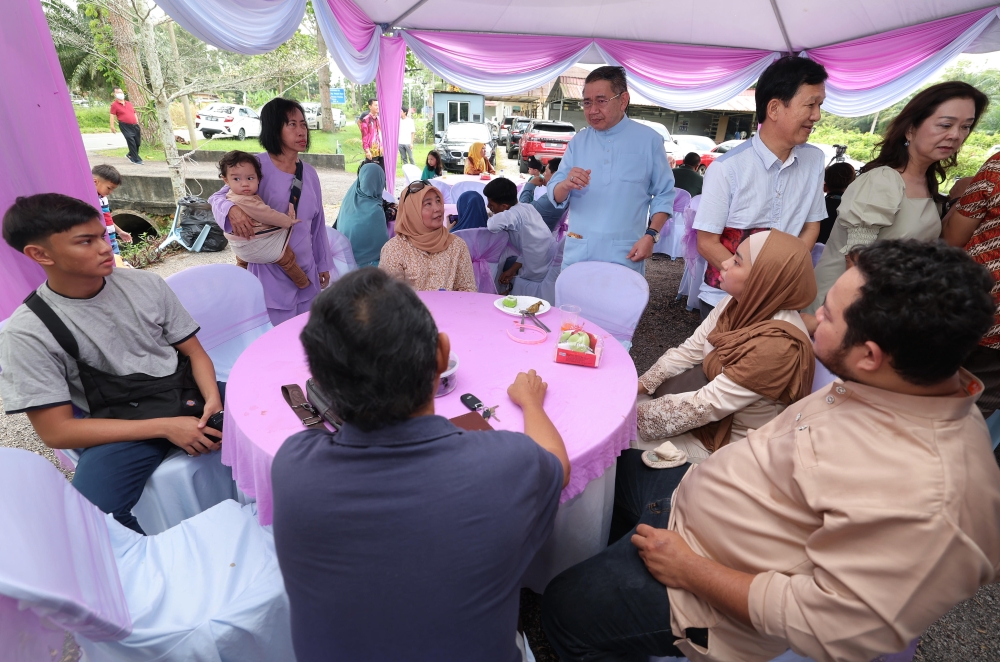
column 842, row 528
column 371, row 134
column 128, row 122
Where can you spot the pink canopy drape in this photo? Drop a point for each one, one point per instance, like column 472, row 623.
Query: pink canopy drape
column 42, row 150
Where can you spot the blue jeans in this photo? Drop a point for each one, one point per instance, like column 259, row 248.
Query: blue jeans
column 112, row 476
column 609, row 607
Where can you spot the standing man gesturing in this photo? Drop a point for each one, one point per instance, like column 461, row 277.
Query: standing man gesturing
column 124, row 112
column 614, row 177
column 774, row 181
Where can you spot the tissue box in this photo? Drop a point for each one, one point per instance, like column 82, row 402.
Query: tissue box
column 582, row 358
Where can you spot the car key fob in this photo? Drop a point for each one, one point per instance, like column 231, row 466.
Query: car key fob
column 472, row 402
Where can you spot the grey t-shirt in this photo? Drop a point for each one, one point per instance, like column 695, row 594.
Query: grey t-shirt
column 130, row 326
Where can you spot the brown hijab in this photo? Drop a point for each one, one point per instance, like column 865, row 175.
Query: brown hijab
column 769, row 357
column 410, row 224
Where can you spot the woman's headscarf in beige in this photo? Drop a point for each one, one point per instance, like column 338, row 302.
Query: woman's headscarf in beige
column 769, row 357
column 409, row 222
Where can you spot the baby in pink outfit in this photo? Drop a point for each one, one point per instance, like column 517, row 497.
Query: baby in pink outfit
column 241, row 172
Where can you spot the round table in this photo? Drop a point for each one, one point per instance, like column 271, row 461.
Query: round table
column 593, row 409
column 445, row 183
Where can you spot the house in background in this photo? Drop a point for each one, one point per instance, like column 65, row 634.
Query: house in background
column 457, row 107
column 725, row 122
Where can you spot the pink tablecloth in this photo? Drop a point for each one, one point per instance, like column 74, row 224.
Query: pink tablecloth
column 594, row 409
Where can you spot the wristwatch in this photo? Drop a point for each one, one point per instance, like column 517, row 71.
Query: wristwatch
column 655, row 234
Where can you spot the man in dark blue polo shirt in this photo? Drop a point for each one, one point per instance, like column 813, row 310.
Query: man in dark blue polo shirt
column 403, row 537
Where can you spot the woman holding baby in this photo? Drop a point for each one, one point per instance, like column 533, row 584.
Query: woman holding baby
column 284, row 135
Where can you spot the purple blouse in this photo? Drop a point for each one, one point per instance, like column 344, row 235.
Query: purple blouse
column 308, row 238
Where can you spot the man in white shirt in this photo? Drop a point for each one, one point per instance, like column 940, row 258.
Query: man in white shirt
column 772, row 181
column 528, row 234
column 407, row 133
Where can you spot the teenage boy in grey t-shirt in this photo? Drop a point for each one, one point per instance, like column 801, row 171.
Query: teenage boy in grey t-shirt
column 124, row 321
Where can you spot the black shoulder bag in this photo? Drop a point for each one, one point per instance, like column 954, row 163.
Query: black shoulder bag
column 135, row 397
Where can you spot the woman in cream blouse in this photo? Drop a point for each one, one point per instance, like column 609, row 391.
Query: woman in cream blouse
column 896, row 196
column 748, row 360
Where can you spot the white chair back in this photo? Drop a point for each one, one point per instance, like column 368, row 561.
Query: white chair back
column 540, row 192
column 486, row 249
column 412, row 173
column 57, row 558
column 445, row 189
column 672, row 235
column 609, row 295
column 458, row 189
column 228, row 304
column 341, row 254
column 822, row 377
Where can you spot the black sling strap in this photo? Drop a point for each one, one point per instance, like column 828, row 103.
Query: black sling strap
column 296, row 191
column 56, row 326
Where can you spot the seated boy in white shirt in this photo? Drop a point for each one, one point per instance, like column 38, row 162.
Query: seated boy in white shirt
column 530, row 238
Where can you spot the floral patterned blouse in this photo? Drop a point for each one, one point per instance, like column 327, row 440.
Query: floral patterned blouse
column 451, row 269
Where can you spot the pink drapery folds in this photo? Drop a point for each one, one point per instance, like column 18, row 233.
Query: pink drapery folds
column 873, row 72
column 42, row 150
column 389, row 87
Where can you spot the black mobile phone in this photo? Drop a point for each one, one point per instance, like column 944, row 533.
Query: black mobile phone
column 215, row 421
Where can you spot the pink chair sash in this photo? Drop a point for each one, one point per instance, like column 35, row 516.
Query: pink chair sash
column 485, row 248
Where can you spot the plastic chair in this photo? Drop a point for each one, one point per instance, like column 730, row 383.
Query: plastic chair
column 174, row 234
column 412, row 173
column 458, row 189
column 817, row 253
column 672, row 240
column 341, row 254
column 546, row 289
column 485, row 248
column 609, row 295
column 209, row 589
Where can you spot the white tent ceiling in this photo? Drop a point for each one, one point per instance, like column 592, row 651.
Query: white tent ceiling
column 734, row 23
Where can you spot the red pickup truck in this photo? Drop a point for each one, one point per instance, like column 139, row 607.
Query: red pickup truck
column 543, row 139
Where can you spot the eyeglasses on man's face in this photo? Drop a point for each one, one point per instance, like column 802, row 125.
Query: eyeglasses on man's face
column 599, row 102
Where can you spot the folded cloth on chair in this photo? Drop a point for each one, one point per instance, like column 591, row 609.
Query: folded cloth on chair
column 666, row 456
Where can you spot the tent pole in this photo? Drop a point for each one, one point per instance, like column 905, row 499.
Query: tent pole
column 781, row 25
column 409, row 11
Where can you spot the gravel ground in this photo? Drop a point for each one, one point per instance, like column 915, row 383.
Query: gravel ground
column 971, row 631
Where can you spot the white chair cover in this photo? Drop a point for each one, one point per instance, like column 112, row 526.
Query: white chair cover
column 546, row 289
column 228, row 304
column 694, row 264
column 672, row 238
column 609, row 295
column 209, row 590
column 485, row 248
column 412, row 173
column 539, row 191
column 817, row 253
column 56, row 557
column 341, row 254
column 458, row 189
column 445, row 189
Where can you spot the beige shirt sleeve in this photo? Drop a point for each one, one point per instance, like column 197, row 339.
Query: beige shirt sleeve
column 870, row 203
column 672, row 414
column 465, row 278
column 860, row 597
column 687, row 355
column 256, row 209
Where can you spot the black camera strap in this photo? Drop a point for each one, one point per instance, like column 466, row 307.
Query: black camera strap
column 296, row 191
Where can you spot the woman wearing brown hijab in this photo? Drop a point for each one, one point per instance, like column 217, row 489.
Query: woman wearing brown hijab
column 423, row 252
column 748, row 360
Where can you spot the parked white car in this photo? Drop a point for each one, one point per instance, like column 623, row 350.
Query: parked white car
column 669, row 146
column 229, row 120
column 314, row 111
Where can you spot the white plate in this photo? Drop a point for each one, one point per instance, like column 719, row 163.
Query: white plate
column 522, row 303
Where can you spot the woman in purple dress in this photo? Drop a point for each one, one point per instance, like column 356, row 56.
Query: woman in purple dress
column 284, row 134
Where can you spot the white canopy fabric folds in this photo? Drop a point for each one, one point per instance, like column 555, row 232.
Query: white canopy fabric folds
column 250, row 27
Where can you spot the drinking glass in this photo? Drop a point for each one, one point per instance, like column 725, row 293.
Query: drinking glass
column 570, row 316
